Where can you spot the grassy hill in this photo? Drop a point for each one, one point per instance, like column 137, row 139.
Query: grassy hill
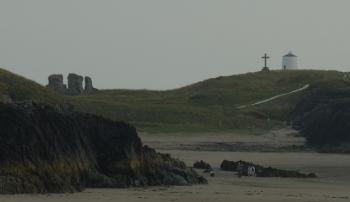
column 210, row 105
column 18, row 88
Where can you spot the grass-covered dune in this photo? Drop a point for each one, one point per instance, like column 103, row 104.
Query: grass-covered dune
column 209, row 105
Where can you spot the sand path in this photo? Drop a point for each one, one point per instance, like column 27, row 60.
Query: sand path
column 274, row 97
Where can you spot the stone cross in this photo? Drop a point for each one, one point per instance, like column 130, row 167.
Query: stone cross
column 265, row 57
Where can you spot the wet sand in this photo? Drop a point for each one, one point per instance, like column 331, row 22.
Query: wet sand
column 332, row 184
column 280, row 140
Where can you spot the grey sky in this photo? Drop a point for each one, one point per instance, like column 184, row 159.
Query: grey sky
column 162, row 44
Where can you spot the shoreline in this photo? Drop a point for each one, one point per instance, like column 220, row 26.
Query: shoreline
column 331, row 184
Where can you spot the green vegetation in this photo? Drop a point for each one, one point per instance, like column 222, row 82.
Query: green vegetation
column 323, row 114
column 15, row 87
column 210, row 105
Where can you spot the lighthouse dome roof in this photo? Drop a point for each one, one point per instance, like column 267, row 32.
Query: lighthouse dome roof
column 290, row 54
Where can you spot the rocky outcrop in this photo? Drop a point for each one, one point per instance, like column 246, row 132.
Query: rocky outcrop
column 323, row 115
column 49, row 149
column 261, row 171
column 56, row 83
column 75, row 84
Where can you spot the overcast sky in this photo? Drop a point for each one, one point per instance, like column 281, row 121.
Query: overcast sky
column 164, row 44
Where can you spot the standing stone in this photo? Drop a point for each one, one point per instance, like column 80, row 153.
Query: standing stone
column 75, row 84
column 89, row 88
column 56, row 83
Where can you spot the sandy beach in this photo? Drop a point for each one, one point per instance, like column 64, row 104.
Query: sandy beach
column 332, row 184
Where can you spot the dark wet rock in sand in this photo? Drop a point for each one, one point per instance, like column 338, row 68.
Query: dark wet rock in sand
column 202, row 165
column 261, row 171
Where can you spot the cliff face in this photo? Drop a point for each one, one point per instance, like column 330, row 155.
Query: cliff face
column 45, row 149
column 323, row 115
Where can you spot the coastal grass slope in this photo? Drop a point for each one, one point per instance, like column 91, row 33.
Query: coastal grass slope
column 17, row 88
column 210, row 105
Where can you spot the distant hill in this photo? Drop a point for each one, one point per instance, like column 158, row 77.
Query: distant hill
column 210, row 105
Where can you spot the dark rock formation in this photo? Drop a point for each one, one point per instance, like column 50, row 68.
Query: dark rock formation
column 75, row 84
column 46, row 149
column 56, row 83
column 263, row 171
column 161, row 169
column 323, row 115
column 202, row 165
column 89, row 88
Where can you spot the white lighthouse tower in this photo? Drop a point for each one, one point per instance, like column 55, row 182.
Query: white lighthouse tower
column 290, row 62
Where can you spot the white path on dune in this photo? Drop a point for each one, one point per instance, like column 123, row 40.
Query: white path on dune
column 274, row 97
